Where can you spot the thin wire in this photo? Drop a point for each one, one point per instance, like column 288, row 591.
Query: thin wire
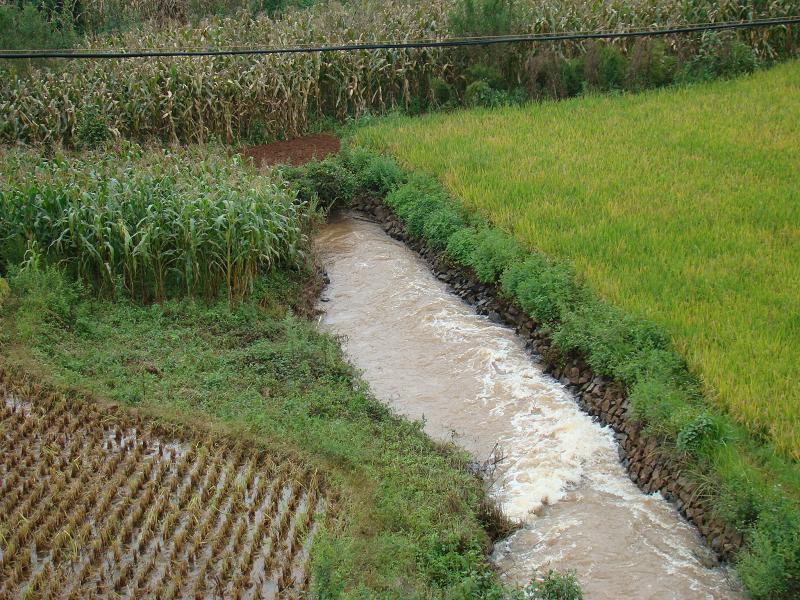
column 446, row 43
column 419, row 42
column 311, row 45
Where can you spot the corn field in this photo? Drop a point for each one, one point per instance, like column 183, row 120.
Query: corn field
column 194, row 99
column 97, row 503
column 155, row 222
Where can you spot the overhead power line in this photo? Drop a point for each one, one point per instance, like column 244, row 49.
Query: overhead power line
column 444, row 43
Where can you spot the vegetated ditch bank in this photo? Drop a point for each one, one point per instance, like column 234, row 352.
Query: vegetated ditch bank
column 469, row 379
column 730, row 481
column 747, row 502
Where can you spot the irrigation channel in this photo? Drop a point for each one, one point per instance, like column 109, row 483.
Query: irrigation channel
column 431, row 357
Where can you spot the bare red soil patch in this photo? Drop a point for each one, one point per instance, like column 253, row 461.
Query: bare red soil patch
column 294, row 152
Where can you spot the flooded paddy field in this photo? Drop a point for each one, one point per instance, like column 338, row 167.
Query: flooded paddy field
column 93, row 503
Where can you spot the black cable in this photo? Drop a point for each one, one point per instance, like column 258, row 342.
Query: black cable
column 508, row 39
column 304, row 45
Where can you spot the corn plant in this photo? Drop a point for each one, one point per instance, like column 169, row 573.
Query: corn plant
column 194, row 99
column 169, row 223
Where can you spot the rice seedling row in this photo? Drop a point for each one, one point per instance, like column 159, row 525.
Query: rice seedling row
column 97, row 502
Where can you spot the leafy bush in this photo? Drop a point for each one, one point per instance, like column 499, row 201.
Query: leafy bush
column 324, row 183
column 495, row 251
column 461, row 246
column 543, row 288
column 704, row 429
column 555, row 586
column 616, row 345
column 443, row 93
column 604, row 67
column 545, row 75
column 4, row 291
column 374, row 173
column 92, row 129
column 440, row 225
column 25, row 26
column 649, row 65
column 473, row 18
column 661, row 405
column 415, row 201
column 481, row 72
column 720, row 55
column 480, row 93
column 770, row 564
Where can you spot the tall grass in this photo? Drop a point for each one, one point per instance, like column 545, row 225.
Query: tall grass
column 155, row 223
column 679, row 206
column 190, row 100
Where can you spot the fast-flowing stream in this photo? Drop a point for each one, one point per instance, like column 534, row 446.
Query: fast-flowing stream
column 431, row 357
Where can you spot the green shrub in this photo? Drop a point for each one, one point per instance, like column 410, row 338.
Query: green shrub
column 650, row 65
column 661, row 406
column 495, row 251
column 572, row 73
column 472, row 18
column 615, row 345
column 543, row 288
column 324, row 183
column 720, row 55
column 92, row 129
column 703, row 430
column 770, row 564
column 4, row 291
column 545, row 74
column 49, row 301
column 443, row 93
column 555, row 586
column 24, row 27
column 488, row 74
column 481, row 94
column 461, row 246
column 374, row 173
column 440, row 225
column 414, row 202
column 604, row 67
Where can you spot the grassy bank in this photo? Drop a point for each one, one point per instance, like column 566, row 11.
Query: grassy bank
column 677, row 206
column 407, row 516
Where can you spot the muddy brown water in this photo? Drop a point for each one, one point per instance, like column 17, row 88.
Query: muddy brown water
column 431, row 357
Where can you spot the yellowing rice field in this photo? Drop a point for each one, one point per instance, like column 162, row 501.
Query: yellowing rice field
column 97, row 503
column 680, row 205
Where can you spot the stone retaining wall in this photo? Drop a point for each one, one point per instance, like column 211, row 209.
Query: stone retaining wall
column 649, row 467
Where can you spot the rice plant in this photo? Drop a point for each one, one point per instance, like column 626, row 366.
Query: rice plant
column 163, row 224
column 90, row 533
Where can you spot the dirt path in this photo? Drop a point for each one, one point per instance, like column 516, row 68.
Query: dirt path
column 294, row 152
